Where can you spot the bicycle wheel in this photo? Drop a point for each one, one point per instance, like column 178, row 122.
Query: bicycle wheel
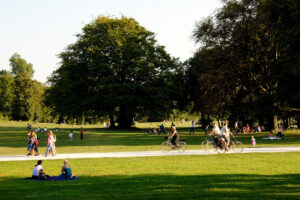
column 204, row 145
column 238, row 147
column 210, row 146
column 165, row 147
column 221, row 149
column 182, row 146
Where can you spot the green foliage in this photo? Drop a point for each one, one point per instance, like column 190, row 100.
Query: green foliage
column 116, row 69
column 6, row 92
column 19, row 66
column 248, row 65
column 22, row 97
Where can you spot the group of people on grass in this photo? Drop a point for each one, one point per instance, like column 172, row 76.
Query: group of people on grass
column 39, row 174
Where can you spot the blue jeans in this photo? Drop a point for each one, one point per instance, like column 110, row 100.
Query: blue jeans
column 49, row 147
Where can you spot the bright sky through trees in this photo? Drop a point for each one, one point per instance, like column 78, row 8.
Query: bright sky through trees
column 40, row 30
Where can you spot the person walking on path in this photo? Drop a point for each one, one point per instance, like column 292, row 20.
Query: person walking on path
column 50, row 142
column 192, row 129
column 81, row 133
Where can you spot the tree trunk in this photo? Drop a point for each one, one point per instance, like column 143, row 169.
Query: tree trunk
column 298, row 120
column 111, row 121
column 125, row 118
column 275, row 122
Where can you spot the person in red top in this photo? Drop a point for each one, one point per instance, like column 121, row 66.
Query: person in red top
column 81, row 133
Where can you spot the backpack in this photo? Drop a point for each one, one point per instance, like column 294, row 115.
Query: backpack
column 36, row 142
column 37, row 139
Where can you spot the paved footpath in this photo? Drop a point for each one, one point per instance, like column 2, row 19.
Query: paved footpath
column 143, row 154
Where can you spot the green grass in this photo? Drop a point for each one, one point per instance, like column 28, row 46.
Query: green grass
column 227, row 176
column 13, row 138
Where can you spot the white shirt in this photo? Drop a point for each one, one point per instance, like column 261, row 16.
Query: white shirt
column 216, row 130
column 225, row 131
column 70, row 135
column 36, row 170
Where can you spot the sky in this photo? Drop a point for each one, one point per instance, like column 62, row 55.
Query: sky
column 39, row 30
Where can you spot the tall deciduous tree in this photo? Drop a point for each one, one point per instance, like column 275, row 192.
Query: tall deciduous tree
column 116, row 68
column 23, row 85
column 20, row 66
column 256, row 49
column 22, row 97
column 6, row 92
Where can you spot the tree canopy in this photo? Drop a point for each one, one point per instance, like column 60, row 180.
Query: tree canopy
column 248, row 65
column 116, row 69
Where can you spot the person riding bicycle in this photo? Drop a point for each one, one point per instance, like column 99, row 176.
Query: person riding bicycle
column 216, row 130
column 225, row 133
column 174, row 135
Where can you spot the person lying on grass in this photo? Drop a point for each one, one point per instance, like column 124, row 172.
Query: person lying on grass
column 38, row 173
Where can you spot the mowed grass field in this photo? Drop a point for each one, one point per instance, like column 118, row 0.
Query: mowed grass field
column 226, row 176
column 13, row 138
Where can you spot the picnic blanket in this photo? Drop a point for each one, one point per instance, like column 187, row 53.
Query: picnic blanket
column 271, row 138
column 54, row 178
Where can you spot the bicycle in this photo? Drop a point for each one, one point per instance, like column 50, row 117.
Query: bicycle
column 236, row 146
column 214, row 146
column 204, row 142
column 220, row 146
column 167, row 145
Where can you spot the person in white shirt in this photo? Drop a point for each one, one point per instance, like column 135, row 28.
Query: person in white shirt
column 215, row 130
column 71, row 135
column 225, row 132
column 37, row 172
column 45, row 129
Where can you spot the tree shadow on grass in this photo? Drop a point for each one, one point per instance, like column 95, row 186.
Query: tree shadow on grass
column 157, row 186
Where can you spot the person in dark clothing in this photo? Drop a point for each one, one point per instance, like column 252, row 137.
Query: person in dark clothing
column 174, row 135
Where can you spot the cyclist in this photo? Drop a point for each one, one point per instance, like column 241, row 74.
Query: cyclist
column 174, row 135
column 225, row 133
column 216, row 130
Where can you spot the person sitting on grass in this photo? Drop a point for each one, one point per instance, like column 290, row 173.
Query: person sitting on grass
column 66, row 171
column 174, row 135
column 38, row 173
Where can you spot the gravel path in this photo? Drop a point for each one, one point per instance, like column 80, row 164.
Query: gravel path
column 143, row 154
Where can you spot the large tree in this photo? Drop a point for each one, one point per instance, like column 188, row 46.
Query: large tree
column 248, row 51
column 116, row 69
column 23, row 85
column 6, row 92
column 20, row 66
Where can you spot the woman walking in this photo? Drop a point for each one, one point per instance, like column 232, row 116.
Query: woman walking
column 50, row 143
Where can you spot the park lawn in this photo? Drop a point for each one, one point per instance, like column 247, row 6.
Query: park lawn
column 13, row 138
column 223, row 176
